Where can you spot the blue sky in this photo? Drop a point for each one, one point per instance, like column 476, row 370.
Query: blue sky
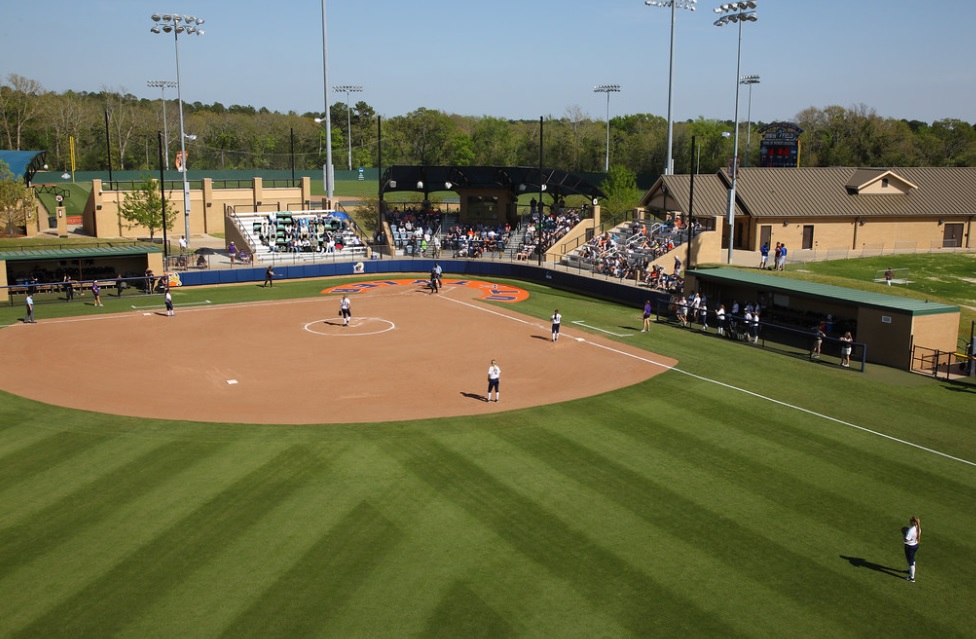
column 512, row 58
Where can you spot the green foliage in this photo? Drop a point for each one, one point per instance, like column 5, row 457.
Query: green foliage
column 620, row 189
column 144, row 207
column 16, row 202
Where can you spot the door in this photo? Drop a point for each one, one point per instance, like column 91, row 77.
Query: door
column 807, row 237
column 952, row 236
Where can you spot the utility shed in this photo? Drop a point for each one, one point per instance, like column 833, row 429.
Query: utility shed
column 888, row 325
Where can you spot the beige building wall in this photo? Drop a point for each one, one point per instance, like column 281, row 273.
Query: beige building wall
column 207, row 207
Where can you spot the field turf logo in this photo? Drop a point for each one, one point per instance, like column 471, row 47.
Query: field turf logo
column 489, row 290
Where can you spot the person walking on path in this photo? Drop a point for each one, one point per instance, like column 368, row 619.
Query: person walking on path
column 268, row 277
column 96, row 294
column 888, row 276
column 29, row 317
column 556, row 320
column 912, row 537
column 494, row 378
column 69, row 288
column 168, row 298
column 647, row 316
column 232, row 252
column 345, row 310
column 118, row 284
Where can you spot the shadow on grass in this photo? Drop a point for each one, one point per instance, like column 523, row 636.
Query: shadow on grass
column 860, row 562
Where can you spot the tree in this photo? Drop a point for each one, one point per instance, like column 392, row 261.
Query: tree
column 620, row 189
column 143, row 207
column 19, row 104
column 16, row 201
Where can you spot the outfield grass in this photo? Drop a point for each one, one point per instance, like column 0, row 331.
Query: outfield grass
column 736, row 496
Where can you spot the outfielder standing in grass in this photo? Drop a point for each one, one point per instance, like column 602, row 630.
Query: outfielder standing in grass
column 556, row 320
column 913, row 535
column 494, row 377
column 345, row 309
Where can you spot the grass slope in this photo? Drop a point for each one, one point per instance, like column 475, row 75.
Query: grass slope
column 701, row 502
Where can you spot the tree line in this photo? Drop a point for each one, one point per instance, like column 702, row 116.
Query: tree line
column 244, row 137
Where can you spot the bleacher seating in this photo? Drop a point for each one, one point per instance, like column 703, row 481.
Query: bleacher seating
column 300, row 235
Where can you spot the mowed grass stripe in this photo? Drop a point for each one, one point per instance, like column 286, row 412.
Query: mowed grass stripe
column 94, row 502
column 609, row 584
column 113, row 599
column 43, row 454
column 305, row 600
column 768, row 560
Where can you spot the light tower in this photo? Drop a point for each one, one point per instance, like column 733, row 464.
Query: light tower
column 608, row 89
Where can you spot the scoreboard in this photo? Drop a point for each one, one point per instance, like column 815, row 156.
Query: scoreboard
column 780, row 146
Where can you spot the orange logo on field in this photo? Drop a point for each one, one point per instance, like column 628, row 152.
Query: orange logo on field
column 489, row 290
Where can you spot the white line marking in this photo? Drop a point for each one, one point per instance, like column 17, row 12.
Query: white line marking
column 231, row 381
column 582, row 323
column 835, row 420
column 203, row 303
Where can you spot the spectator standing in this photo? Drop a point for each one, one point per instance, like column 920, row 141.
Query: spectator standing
column 29, row 316
column 556, row 319
column 782, row 257
column 764, row 255
column 847, row 342
column 888, row 276
column 494, row 379
column 817, row 341
column 96, row 294
column 647, row 316
column 720, row 319
column 118, row 285
column 182, row 244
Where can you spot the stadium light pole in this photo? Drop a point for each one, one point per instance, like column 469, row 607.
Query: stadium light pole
column 735, row 12
column 329, row 176
column 674, row 5
column 348, row 89
column 176, row 24
column 163, row 85
column 608, row 89
column 749, row 80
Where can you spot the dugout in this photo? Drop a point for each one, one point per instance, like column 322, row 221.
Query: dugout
column 887, row 325
column 82, row 264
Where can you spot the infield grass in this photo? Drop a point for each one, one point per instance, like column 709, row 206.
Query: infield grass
column 738, row 495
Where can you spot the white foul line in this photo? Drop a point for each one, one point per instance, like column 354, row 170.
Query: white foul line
column 582, row 323
column 748, row 392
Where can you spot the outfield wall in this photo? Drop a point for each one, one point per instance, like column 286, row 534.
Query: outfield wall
column 604, row 289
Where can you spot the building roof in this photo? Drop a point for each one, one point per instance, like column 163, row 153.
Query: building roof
column 23, row 164
column 815, row 290
column 673, row 193
column 80, row 253
column 517, row 179
column 825, row 192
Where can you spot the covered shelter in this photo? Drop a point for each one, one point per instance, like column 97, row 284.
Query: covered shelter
column 24, row 164
column 81, row 264
column 889, row 326
column 487, row 194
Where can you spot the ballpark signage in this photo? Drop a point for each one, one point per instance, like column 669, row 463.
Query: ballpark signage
column 780, row 145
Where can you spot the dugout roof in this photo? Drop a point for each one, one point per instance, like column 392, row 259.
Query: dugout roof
column 777, row 284
column 80, row 253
